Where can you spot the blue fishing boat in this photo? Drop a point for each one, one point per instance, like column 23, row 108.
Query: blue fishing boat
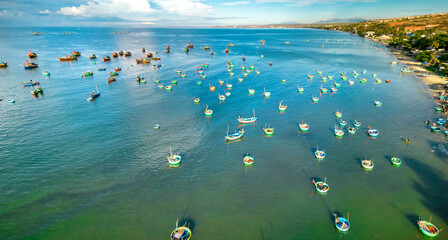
column 234, row 136
column 356, row 124
column 341, row 223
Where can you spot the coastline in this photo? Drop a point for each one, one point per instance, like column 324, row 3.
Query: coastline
column 434, row 82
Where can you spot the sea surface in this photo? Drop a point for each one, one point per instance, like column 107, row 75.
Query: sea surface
column 73, row 169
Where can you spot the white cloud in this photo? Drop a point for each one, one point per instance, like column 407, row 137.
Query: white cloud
column 46, row 11
column 184, row 7
column 235, row 3
column 108, row 8
column 311, row 2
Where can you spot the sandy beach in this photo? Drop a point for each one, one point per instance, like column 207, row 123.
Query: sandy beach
column 435, row 83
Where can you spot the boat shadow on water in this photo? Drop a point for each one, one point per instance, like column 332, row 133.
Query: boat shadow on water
column 191, row 224
column 429, row 185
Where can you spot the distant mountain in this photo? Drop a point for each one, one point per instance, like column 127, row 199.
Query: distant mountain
column 342, row 20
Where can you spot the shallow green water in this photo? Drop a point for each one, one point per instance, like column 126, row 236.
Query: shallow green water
column 71, row 169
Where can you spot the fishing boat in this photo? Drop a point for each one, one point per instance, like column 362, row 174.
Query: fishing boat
column 139, row 78
column 338, row 132
column 374, row 75
column 406, row 70
column 31, row 54
column 231, row 45
column 30, row 65
column 240, row 80
column 341, row 223
column 351, row 82
column 30, row 83
column 248, row 160
column 187, row 49
column 156, row 58
column 160, row 86
column 127, row 54
column 282, row 108
column 378, row 80
column 356, row 124
column 106, row 58
column 373, row 132
column 344, row 78
column 143, row 50
column 229, row 86
column 92, row 56
column 266, row 94
column 199, row 82
column 337, row 84
column 387, row 80
column 232, row 73
column 342, row 123
column 222, row 98
column 320, row 155
column 156, row 126
column 319, row 72
column 101, row 69
column 227, row 94
column 75, row 53
column 174, row 159
column 174, row 82
column 247, row 120
column 183, row 76
column 227, row 50
column 114, row 54
column 189, row 45
column 11, row 101
column 245, row 74
column 338, row 114
column 211, row 52
column 149, row 55
column 315, row 99
column 3, row 64
column 206, row 48
column 363, row 71
column 333, row 89
column 46, row 73
column 367, row 164
column 441, row 121
column 378, row 103
column 113, row 73
column 324, row 79
column 321, row 186
column 67, row 58
column 268, row 131
column 205, row 65
column 208, row 112
column 427, row 228
column 168, row 88
column 156, row 80
column 330, row 77
column 178, row 71
column 351, row 130
column 117, row 69
column 395, row 161
column 196, row 100
column 221, row 82
column 111, row 79
column 34, row 93
column 304, row 127
column 438, row 109
column 251, row 91
column 363, row 80
column 121, row 53
column 299, row 89
column 88, row 73
column 435, row 128
column 234, row 136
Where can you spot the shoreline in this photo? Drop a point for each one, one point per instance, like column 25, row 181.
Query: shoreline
column 435, row 83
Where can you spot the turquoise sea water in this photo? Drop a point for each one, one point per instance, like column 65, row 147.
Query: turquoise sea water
column 72, row 169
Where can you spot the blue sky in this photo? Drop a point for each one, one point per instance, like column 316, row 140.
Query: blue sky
column 203, row 13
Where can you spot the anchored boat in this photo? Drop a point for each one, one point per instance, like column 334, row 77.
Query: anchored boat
column 320, row 155
column 338, row 132
column 234, row 136
column 30, row 65
column 247, row 120
column 304, row 127
column 282, row 108
column 427, row 228
column 208, row 112
column 181, row 233
column 268, row 131
column 367, row 164
column 174, row 159
column 373, row 132
column 338, row 114
column 341, row 223
column 248, row 160
column 395, row 161
column 321, row 186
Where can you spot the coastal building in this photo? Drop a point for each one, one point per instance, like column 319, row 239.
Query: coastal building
column 370, row 33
